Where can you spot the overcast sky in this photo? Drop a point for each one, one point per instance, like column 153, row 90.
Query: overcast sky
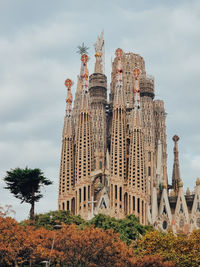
column 38, row 44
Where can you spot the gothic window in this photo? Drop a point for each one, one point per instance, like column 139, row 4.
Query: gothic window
column 149, row 171
column 100, row 165
column 84, row 193
column 181, row 208
column 79, row 195
column 138, row 205
column 164, row 225
column 198, row 206
column 133, row 203
column 115, row 191
column 164, row 210
column 89, row 192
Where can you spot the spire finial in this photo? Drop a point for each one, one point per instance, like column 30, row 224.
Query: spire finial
column 85, row 73
column 69, row 99
column 82, row 49
column 99, row 54
column 119, row 94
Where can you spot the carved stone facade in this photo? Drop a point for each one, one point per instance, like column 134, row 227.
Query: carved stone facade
column 114, row 152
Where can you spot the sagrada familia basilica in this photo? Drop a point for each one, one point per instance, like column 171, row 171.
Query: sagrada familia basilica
column 114, row 152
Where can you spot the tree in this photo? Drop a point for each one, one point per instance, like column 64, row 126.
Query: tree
column 181, row 249
column 25, row 184
column 91, row 247
column 50, row 219
column 128, row 228
column 12, row 237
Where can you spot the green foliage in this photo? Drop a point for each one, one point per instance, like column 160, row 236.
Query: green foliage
column 50, row 219
column 25, row 184
column 128, row 228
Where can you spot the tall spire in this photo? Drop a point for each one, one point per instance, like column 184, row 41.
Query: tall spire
column 136, row 164
column 67, row 181
column 176, row 171
column 99, row 54
column 118, row 149
column 67, row 129
column 84, row 78
column 84, row 146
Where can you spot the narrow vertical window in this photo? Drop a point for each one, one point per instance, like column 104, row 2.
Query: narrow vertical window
column 115, row 191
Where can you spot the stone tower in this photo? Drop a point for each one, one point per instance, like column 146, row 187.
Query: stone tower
column 118, row 151
column 114, row 152
column 67, row 176
column 83, row 148
column 176, row 171
column 137, row 180
column 98, row 98
column 160, row 133
column 148, row 125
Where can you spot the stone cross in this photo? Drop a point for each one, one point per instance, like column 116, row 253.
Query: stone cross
column 92, row 202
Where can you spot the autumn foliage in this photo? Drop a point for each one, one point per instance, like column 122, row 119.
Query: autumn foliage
column 100, row 243
column 183, row 250
column 73, row 246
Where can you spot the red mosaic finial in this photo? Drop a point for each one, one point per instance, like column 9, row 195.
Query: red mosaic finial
column 68, row 84
column 69, row 98
column 136, row 72
column 84, row 58
column 119, row 53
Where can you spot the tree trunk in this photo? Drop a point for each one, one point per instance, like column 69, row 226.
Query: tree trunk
column 32, row 210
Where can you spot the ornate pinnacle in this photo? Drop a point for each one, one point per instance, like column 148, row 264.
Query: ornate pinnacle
column 136, row 73
column 69, row 98
column 84, row 58
column 99, row 54
column 82, row 49
column 175, row 138
column 176, row 179
column 119, row 53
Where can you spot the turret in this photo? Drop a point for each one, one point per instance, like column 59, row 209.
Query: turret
column 98, row 100
column 176, row 179
column 67, row 181
column 118, row 152
column 137, row 184
column 84, row 147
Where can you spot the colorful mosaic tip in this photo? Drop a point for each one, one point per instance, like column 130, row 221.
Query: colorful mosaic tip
column 136, row 72
column 119, row 53
column 84, row 58
column 68, row 83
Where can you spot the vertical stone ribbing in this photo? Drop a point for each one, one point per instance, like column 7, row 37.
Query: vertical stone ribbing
column 118, row 151
column 160, row 133
column 66, row 200
column 98, row 100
